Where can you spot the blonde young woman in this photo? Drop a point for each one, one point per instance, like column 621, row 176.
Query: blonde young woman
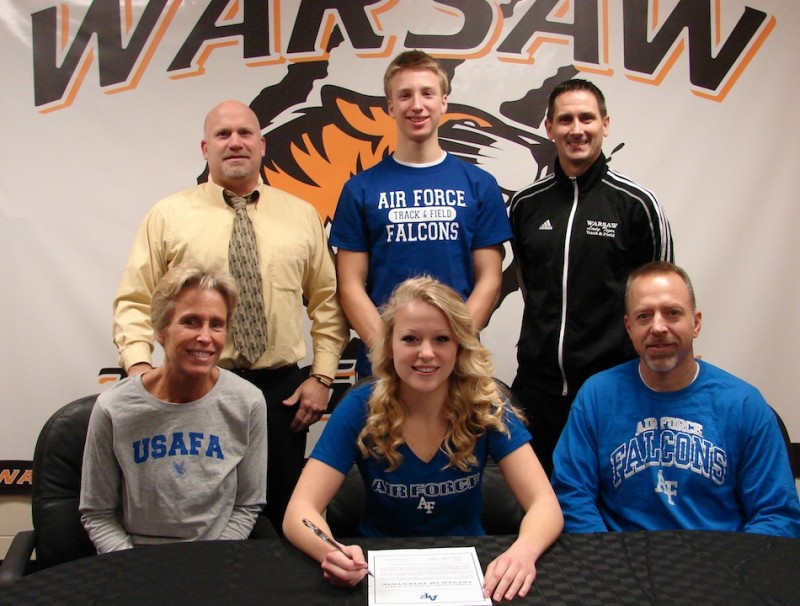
column 421, row 435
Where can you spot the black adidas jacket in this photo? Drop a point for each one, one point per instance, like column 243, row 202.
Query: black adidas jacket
column 575, row 242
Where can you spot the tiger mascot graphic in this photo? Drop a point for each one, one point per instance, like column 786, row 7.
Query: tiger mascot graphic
column 313, row 148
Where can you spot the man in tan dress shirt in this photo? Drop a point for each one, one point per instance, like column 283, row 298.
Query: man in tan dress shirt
column 295, row 261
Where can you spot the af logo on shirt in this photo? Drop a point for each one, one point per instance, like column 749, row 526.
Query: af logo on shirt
column 667, row 487
column 180, row 469
column 426, row 505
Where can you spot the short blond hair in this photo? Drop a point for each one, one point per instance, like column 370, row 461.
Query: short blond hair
column 415, row 59
column 186, row 275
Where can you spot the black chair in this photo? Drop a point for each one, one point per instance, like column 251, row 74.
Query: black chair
column 501, row 514
column 788, row 441
column 346, row 509
column 58, row 535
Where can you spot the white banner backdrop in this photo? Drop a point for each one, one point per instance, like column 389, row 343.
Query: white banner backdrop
column 103, row 104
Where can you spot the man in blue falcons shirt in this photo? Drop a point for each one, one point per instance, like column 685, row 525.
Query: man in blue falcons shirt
column 669, row 441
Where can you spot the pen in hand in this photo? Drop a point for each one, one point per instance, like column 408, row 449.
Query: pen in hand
column 330, row 541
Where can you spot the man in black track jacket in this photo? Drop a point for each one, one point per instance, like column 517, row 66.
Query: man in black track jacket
column 578, row 233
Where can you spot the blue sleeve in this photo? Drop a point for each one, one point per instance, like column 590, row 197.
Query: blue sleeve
column 337, row 444
column 349, row 227
column 765, row 486
column 493, row 226
column 575, row 476
column 501, row 445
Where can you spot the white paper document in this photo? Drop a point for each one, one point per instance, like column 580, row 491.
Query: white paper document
column 448, row 575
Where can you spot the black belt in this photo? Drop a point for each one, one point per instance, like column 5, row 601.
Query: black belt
column 254, row 374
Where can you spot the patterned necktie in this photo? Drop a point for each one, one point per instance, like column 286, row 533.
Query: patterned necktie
column 249, row 324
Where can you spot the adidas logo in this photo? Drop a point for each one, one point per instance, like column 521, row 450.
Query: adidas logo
column 546, row 226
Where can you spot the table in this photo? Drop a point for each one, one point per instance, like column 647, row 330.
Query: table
column 667, row 567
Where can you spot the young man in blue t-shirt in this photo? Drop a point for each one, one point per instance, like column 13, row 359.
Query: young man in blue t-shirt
column 418, row 211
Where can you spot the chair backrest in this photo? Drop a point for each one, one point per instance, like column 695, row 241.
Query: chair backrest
column 57, row 462
column 346, row 509
column 788, row 441
column 501, row 514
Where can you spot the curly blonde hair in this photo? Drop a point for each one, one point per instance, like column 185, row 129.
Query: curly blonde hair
column 475, row 401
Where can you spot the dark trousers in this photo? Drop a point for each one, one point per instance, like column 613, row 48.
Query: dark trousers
column 286, row 449
column 547, row 414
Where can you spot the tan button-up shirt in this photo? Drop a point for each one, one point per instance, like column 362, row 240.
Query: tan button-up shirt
column 295, row 262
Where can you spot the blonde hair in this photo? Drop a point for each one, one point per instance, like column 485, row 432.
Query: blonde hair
column 414, row 59
column 474, row 401
column 185, row 275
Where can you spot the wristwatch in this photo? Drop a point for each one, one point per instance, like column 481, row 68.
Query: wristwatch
column 326, row 381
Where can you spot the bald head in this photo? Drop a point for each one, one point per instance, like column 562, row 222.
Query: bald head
column 233, row 146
